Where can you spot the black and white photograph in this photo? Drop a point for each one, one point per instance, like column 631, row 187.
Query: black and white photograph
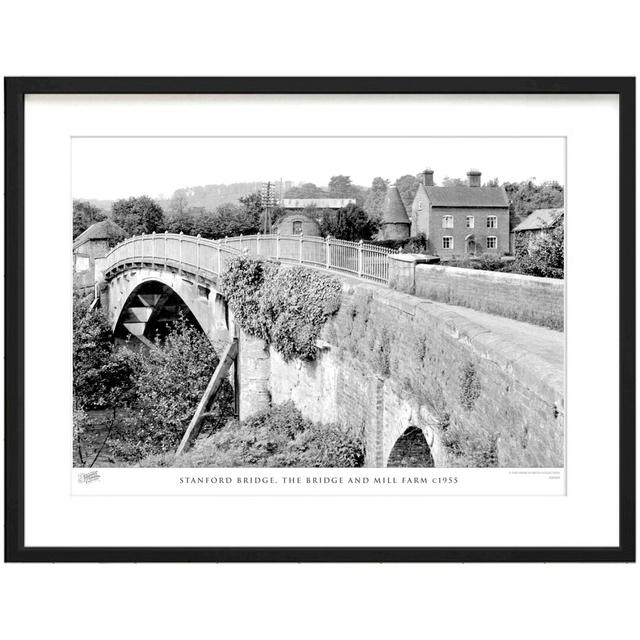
column 318, row 302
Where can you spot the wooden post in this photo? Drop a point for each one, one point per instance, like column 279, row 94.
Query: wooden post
column 180, row 251
column 258, row 244
column 219, row 375
column 360, row 259
column 153, row 247
column 328, row 250
column 300, row 252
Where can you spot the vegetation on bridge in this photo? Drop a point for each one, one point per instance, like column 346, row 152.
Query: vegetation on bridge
column 287, row 306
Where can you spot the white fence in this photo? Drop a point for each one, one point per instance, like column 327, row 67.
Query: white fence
column 210, row 257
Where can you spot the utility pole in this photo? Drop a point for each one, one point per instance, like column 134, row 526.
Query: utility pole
column 268, row 202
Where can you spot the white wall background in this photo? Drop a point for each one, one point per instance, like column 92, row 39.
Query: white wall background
column 332, row 38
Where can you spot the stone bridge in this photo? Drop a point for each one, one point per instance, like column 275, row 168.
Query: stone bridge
column 430, row 384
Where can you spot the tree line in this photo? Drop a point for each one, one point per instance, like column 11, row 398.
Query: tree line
column 359, row 221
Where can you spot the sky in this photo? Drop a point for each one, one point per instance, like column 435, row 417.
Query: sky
column 113, row 167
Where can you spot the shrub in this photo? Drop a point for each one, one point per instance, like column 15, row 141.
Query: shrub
column 169, row 381
column 544, row 255
column 100, row 375
column 286, row 306
column 276, row 437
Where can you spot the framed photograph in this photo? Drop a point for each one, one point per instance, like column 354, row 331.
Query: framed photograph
column 320, row 319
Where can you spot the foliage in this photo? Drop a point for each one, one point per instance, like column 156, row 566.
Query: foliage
column 544, row 255
column 527, row 196
column 469, row 386
column 84, row 215
column 285, row 305
column 470, row 449
column 349, row 223
column 276, row 437
column 407, row 187
column 138, row 215
column 374, row 199
column 306, row 190
column 100, row 376
column 169, row 381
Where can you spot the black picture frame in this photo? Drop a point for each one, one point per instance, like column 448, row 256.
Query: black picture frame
column 15, row 91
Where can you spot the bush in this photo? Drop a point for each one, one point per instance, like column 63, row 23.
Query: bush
column 544, row 256
column 286, row 306
column 100, row 375
column 168, row 384
column 276, row 437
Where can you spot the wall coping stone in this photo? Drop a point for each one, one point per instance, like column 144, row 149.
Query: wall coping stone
column 491, row 275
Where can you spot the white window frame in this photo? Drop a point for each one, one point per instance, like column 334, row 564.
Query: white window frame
column 471, row 219
column 447, row 219
column 450, row 244
column 294, row 225
column 495, row 243
column 492, row 222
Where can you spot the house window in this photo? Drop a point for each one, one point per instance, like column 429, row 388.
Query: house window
column 471, row 222
column 492, row 222
column 419, row 205
column 297, row 226
column 447, row 222
column 492, row 242
column 447, row 242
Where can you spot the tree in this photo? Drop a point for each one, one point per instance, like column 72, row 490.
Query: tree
column 84, row 215
column 527, row 196
column 179, row 203
column 341, row 187
column 100, row 376
column 453, row 182
column 407, row 187
column 138, row 215
column 349, row 223
column 306, row 190
column 374, row 199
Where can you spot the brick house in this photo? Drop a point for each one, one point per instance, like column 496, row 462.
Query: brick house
column 461, row 220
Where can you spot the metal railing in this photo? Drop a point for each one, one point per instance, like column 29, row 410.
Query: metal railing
column 210, row 257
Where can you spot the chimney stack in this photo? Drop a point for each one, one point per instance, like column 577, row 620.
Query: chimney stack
column 426, row 177
column 473, row 177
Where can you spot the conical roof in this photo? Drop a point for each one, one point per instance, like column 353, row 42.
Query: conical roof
column 393, row 210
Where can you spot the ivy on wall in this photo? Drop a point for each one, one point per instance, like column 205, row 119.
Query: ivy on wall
column 287, row 306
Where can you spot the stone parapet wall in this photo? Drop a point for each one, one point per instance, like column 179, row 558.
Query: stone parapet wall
column 526, row 298
column 393, row 361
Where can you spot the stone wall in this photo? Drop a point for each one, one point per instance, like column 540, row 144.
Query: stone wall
column 393, row 361
column 526, row 298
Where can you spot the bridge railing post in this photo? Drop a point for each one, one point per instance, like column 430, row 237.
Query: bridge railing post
column 180, row 250
column 328, row 252
column 153, row 247
column 278, row 246
column 360, row 258
column 219, row 260
column 166, row 257
column 197, row 256
column 258, row 243
column 300, row 251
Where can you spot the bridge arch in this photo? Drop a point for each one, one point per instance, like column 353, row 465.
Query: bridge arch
column 140, row 300
column 411, row 449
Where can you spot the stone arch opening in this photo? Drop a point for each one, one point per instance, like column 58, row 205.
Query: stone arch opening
column 411, row 449
column 148, row 312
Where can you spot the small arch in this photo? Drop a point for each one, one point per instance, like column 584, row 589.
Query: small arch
column 411, row 449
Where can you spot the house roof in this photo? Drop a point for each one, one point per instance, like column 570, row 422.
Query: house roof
column 320, row 203
column 540, row 219
column 462, row 196
column 393, row 210
column 105, row 230
column 297, row 215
